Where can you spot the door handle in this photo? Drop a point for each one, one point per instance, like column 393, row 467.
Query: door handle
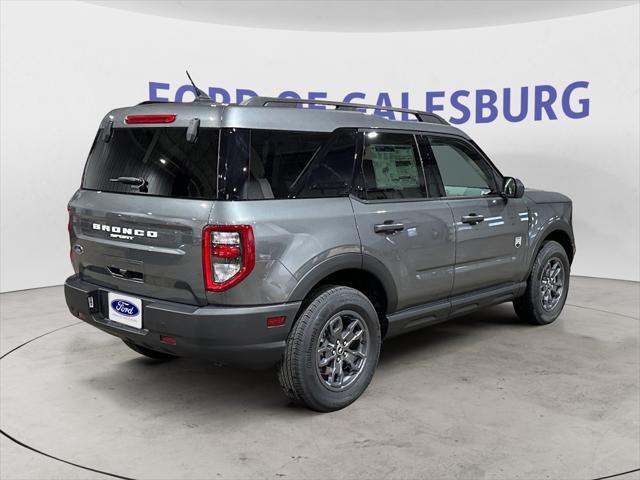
column 388, row 227
column 472, row 218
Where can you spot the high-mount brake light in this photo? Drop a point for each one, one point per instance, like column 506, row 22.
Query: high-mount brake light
column 137, row 119
column 228, row 255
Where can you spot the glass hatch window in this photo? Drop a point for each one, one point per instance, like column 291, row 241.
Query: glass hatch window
column 154, row 161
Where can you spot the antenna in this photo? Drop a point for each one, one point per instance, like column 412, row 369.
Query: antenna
column 200, row 95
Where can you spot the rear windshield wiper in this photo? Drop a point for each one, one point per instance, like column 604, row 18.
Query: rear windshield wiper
column 129, row 180
column 139, row 182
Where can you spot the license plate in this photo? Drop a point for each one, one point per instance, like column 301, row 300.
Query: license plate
column 125, row 309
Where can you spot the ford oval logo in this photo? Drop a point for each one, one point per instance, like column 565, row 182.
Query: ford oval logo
column 124, row 308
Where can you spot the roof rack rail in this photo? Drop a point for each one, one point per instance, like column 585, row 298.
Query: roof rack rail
column 421, row 116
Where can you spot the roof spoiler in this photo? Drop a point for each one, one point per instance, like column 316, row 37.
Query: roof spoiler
column 421, row 116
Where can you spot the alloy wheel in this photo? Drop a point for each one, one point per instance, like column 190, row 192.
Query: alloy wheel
column 552, row 284
column 342, row 350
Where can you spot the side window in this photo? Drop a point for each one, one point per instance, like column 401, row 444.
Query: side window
column 463, row 170
column 391, row 167
column 278, row 158
column 329, row 174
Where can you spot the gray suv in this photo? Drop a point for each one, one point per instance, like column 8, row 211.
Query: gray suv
column 266, row 234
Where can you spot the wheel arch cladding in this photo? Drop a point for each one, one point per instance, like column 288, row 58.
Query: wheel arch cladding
column 563, row 238
column 369, row 277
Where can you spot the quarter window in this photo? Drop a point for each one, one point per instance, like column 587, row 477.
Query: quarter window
column 331, row 171
column 278, row 158
column 279, row 164
column 463, row 170
column 391, row 167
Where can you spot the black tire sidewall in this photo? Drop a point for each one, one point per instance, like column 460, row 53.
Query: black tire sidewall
column 314, row 392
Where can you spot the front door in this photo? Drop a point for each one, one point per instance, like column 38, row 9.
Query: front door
column 490, row 231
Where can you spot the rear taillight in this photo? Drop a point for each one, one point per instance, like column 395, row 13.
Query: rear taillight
column 228, row 255
column 136, row 119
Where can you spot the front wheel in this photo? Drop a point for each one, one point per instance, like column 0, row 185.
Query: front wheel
column 332, row 350
column 547, row 286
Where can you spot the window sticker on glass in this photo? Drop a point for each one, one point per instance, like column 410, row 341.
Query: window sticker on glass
column 394, row 166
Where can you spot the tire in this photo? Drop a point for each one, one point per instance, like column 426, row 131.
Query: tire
column 147, row 352
column 538, row 305
column 340, row 320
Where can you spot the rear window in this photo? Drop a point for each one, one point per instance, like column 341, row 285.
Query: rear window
column 161, row 156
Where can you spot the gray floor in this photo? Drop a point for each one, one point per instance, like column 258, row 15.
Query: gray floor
column 479, row 397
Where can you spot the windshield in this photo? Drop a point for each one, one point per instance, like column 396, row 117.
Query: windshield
column 154, row 161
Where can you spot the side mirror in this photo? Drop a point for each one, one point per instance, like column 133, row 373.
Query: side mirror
column 512, row 188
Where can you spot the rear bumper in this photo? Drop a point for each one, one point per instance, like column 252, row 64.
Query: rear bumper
column 231, row 335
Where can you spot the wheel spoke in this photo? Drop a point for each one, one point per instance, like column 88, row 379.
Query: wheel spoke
column 326, row 349
column 353, row 338
column 335, row 328
column 336, row 374
column 323, row 362
column 356, row 353
column 348, row 332
column 352, row 362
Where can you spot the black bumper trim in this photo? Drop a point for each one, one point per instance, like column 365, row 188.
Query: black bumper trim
column 232, row 335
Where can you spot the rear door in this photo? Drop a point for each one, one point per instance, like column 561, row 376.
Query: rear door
column 398, row 223
column 491, row 231
column 143, row 236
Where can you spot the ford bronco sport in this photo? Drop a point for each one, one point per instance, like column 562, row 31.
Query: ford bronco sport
column 257, row 235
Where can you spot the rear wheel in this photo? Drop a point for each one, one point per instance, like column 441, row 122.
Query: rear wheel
column 332, row 350
column 147, row 352
column 547, row 286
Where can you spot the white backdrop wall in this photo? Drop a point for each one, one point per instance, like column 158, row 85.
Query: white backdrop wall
column 65, row 64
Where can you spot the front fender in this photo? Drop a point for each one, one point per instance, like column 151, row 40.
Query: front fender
column 557, row 220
